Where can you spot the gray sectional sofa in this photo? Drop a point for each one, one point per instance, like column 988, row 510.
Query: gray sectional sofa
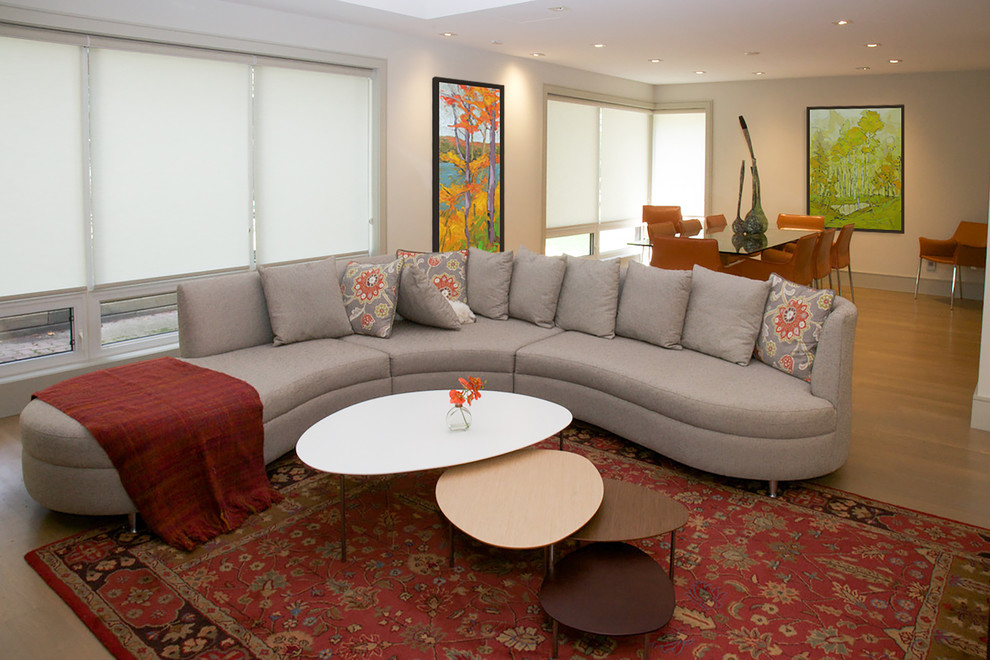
column 644, row 353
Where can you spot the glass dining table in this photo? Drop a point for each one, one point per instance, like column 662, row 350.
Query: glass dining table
column 731, row 243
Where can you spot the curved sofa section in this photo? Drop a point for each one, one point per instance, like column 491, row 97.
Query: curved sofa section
column 751, row 422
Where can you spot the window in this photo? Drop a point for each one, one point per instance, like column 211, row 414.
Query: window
column 605, row 160
column 126, row 167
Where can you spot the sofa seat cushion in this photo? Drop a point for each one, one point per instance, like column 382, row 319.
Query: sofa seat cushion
column 486, row 345
column 288, row 376
column 690, row 387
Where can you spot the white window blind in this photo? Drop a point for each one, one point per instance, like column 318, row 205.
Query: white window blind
column 625, row 163
column 312, row 163
column 679, row 169
column 42, row 228
column 170, row 163
column 572, row 163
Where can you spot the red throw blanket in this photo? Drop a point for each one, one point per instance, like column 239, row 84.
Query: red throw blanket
column 187, row 442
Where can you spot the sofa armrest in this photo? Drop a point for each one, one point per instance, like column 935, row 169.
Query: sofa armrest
column 831, row 374
column 221, row 314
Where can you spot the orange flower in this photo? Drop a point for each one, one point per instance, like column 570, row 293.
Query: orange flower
column 471, row 391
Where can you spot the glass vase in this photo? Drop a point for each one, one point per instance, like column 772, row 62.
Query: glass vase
column 459, row 418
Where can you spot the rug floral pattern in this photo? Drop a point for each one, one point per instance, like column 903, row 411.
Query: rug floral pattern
column 815, row 574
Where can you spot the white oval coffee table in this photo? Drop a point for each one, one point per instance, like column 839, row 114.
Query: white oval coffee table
column 407, row 432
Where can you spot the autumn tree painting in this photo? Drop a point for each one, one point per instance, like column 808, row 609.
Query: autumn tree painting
column 467, row 165
column 856, row 168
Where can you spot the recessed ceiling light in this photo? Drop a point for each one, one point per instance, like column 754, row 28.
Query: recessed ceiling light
column 862, row 68
column 841, row 22
column 448, row 34
column 656, row 60
column 538, row 54
column 759, row 73
column 872, row 45
column 700, row 73
column 558, row 8
column 895, row 61
column 598, row 45
column 752, row 52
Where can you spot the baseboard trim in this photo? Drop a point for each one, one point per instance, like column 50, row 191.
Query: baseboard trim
column 972, row 289
column 980, row 418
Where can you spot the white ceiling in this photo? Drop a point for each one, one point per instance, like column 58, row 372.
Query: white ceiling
column 793, row 38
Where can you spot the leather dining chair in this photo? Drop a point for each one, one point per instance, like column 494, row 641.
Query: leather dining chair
column 967, row 247
column 798, row 268
column 822, row 263
column 660, row 229
column 792, row 221
column 839, row 259
column 715, row 222
column 679, row 253
column 671, row 214
column 690, row 227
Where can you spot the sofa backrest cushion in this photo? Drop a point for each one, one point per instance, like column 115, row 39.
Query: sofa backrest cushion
column 653, row 304
column 220, row 314
column 724, row 315
column 421, row 302
column 304, row 301
column 589, row 296
column 535, row 287
column 489, row 275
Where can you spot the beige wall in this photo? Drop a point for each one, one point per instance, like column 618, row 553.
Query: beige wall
column 946, row 154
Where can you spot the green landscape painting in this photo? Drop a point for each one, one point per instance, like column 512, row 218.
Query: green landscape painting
column 856, row 166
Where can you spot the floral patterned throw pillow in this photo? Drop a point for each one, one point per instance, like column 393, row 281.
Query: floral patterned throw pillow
column 370, row 292
column 447, row 271
column 792, row 326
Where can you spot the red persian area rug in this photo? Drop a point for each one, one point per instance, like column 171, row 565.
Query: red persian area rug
column 816, row 573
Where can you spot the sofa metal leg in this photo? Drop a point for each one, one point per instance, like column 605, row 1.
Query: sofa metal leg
column 773, row 487
column 132, row 518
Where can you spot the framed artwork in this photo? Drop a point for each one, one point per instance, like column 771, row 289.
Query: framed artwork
column 856, row 166
column 467, row 165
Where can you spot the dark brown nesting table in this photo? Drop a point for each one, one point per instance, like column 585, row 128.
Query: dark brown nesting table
column 609, row 587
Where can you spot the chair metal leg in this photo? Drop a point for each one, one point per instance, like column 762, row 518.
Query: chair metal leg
column 852, row 292
column 952, row 291
column 917, row 278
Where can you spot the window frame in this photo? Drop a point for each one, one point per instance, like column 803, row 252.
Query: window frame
column 88, row 351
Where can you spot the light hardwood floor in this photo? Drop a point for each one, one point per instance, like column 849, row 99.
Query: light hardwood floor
column 915, row 372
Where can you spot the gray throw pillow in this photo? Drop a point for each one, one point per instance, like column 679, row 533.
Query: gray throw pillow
column 589, row 296
column 653, row 304
column 421, row 302
column 792, row 326
column 724, row 315
column 370, row 292
column 304, row 301
column 535, row 287
column 489, row 275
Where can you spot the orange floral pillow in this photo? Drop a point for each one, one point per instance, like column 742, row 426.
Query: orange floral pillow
column 446, row 271
column 792, row 326
column 370, row 293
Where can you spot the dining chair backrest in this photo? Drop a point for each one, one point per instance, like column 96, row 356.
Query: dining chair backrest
column 839, row 255
column 690, row 227
column 792, row 221
column 715, row 222
column 678, row 253
column 671, row 214
column 655, row 229
column 801, row 267
column 971, row 248
column 823, row 253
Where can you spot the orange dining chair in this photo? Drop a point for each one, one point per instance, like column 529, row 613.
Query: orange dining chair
column 822, row 263
column 839, row 259
column 690, row 227
column 797, row 269
column 967, row 247
column 678, row 253
column 792, row 221
column 671, row 214
column 660, row 229
column 715, row 222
